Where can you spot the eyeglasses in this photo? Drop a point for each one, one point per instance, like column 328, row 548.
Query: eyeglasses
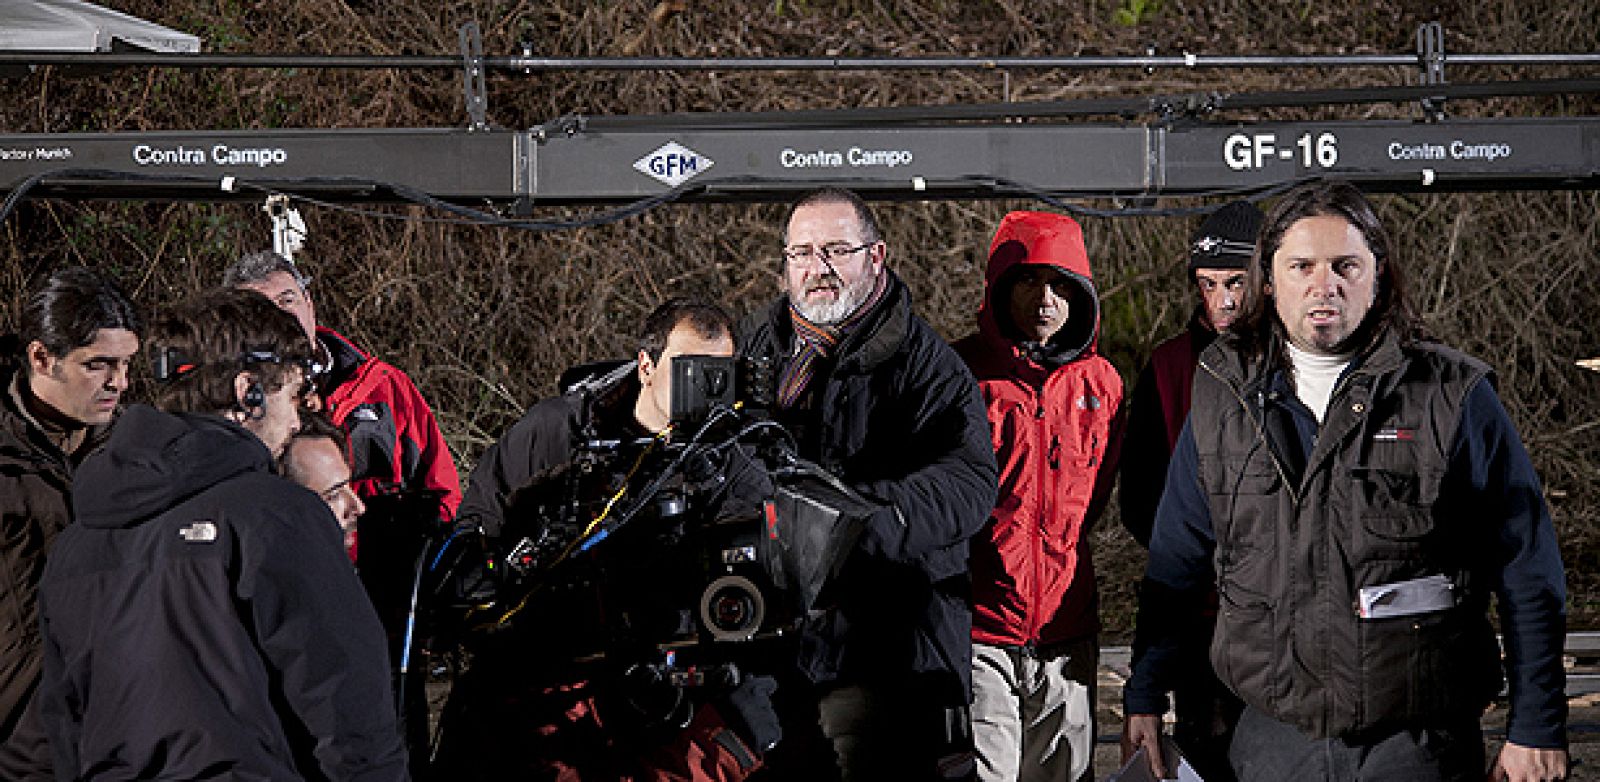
column 335, row 491
column 826, row 253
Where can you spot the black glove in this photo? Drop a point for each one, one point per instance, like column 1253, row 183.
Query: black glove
column 654, row 699
column 748, row 711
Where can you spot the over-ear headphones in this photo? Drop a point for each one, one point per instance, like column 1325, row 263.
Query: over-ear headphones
column 254, row 397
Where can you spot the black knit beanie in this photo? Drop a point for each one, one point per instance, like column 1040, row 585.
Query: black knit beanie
column 1227, row 238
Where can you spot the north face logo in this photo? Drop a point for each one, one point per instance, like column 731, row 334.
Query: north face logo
column 199, row 532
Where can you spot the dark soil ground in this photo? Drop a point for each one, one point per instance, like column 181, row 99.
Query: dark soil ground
column 1583, row 722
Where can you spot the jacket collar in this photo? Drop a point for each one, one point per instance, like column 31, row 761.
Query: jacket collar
column 344, row 359
column 877, row 337
column 1223, row 359
column 156, row 460
column 24, row 439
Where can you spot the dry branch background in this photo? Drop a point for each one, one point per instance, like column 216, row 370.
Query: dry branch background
column 484, row 319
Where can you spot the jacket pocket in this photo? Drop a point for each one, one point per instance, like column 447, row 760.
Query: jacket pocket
column 1246, row 646
column 1245, row 500
column 1396, row 512
column 1428, row 668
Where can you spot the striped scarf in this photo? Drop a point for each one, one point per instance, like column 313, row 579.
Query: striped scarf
column 816, row 343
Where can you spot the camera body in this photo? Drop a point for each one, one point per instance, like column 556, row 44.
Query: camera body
column 703, row 384
column 701, row 541
column 640, row 532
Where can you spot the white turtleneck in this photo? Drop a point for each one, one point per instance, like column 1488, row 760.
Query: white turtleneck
column 1314, row 376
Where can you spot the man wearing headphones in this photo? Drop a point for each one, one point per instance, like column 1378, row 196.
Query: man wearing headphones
column 201, row 619
column 395, row 446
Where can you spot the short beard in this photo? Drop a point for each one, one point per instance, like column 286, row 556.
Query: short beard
column 851, row 297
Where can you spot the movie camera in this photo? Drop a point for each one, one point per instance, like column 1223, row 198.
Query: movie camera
column 713, row 533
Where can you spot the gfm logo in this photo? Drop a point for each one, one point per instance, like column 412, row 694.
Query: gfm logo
column 672, row 164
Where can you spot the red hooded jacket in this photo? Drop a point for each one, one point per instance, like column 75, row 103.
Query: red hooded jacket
column 1054, row 415
column 394, row 439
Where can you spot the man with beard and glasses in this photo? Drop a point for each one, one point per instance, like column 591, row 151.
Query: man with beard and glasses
column 874, row 396
column 1356, row 493
column 61, row 381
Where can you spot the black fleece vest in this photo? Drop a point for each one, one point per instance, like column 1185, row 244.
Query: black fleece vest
column 1295, row 543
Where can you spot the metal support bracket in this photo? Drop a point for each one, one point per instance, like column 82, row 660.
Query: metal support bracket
column 472, row 77
column 288, row 228
column 566, row 125
column 1430, row 57
column 1175, row 110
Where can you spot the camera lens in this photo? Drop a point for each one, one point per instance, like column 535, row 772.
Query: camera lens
column 731, row 608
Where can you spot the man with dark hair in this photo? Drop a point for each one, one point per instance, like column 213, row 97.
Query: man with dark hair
column 635, row 404
column 395, row 442
column 1054, row 406
column 315, row 458
column 1361, row 492
column 875, row 397
column 200, row 618
column 548, row 694
column 60, row 383
column 1219, row 251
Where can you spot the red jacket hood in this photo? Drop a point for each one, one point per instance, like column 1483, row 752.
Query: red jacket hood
column 1041, row 239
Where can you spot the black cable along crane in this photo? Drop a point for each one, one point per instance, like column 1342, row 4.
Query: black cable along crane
column 1185, row 146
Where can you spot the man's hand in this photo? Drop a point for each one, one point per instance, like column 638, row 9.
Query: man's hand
column 1523, row 764
column 1144, row 730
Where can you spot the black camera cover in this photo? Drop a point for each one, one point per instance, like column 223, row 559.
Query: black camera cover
column 812, row 525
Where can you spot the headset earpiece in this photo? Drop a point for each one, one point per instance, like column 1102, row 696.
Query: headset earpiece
column 254, row 397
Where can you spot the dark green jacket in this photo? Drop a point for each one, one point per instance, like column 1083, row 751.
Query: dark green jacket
column 35, row 477
column 1298, row 536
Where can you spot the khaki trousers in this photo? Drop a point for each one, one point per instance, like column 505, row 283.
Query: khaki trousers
column 1033, row 714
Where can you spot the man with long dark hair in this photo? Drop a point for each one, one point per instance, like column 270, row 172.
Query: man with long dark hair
column 1361, row 492
column 61, row 383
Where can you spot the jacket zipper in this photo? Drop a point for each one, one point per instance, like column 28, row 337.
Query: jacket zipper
column 1261, row 434
column 1041, row 422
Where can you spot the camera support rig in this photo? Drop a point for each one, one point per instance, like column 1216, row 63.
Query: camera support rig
column 1002, row 150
